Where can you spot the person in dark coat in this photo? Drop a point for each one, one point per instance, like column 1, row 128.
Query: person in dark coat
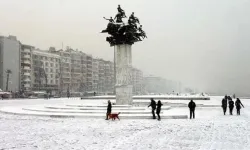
column 238, row 105
column 229, row 98
column 192, row 106
column 153, row 106
column 158, row 110
column 224, row 105
column 109, row 109
column 231, row 106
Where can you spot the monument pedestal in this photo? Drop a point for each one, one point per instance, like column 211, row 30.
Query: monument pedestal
column 123, row 71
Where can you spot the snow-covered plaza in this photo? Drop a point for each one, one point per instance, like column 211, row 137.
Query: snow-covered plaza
column 211, row 130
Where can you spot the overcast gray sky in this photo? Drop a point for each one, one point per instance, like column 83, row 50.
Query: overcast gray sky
column 202, row 43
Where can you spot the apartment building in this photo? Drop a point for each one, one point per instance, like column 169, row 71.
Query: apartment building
column 76, row 70
column 54, row 70
column 95, row 75
column 26, row 67
column 83, row 84
column 137, row 81
column 155, row 85
column 89, row 74
column 109, row 80
column 46, row 68
column 10, row 62
column 101, row 76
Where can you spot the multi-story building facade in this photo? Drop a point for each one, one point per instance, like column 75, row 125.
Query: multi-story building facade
column 46, row 67
column 10, row 50
column 137, row 80
column 109, row 80
column 26, row 67
column 83, row 84
column 95, row 75
column 154, row 85
column 76, row 70
column 101, row 76
column 89, row 74
column 56, row 70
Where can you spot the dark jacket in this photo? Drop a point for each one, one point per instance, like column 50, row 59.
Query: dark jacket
column 238, row 104
column 152, row 104
column 109, row 107
column 191, row 105
column 224, row 102
column 159, row 104
column 231, row 104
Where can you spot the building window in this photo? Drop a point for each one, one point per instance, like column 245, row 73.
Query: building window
column 51, row 59
column 51, row 81
column 51, row 64
column 46, row 69
column 51, row 75
column 46, row 64
column 51, row 70
column 46, row 58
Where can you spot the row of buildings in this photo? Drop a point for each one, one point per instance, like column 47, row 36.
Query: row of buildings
column 56, row 71
column 158, row 85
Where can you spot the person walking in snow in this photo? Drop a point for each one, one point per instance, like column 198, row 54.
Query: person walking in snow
column 158, row 110
column 231, row 106
column 109, row 109
column 224, row 105
column 192, row 106
column 238, row 105
column 153, row 106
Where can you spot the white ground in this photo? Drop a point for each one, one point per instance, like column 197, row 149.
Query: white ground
column 210, row 130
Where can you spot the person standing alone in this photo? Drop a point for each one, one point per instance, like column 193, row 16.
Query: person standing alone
column 153, row 106
column 158, row 110
column 238, row 105
column 109, row 109
column 192, row 106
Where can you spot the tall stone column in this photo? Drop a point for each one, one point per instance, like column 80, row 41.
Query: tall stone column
column 123, row 66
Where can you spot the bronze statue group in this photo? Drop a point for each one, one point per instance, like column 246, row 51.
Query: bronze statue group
column 227, row 100
column 121, row 32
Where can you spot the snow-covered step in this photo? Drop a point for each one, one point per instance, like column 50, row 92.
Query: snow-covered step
column 88, row 111
column 100, row 108
column 168, row 97
column 114, row 106
column 19, row 111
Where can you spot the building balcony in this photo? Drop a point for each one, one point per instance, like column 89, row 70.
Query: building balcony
column 27, row 85
column 66, row 77
column 26, row 74
column 65, row 81
column 27, row 80
column 26, row 62
column 27, row 50
column 27, row 56
column 26, row 68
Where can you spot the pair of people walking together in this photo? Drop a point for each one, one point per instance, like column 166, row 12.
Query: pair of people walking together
column 158, row 108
